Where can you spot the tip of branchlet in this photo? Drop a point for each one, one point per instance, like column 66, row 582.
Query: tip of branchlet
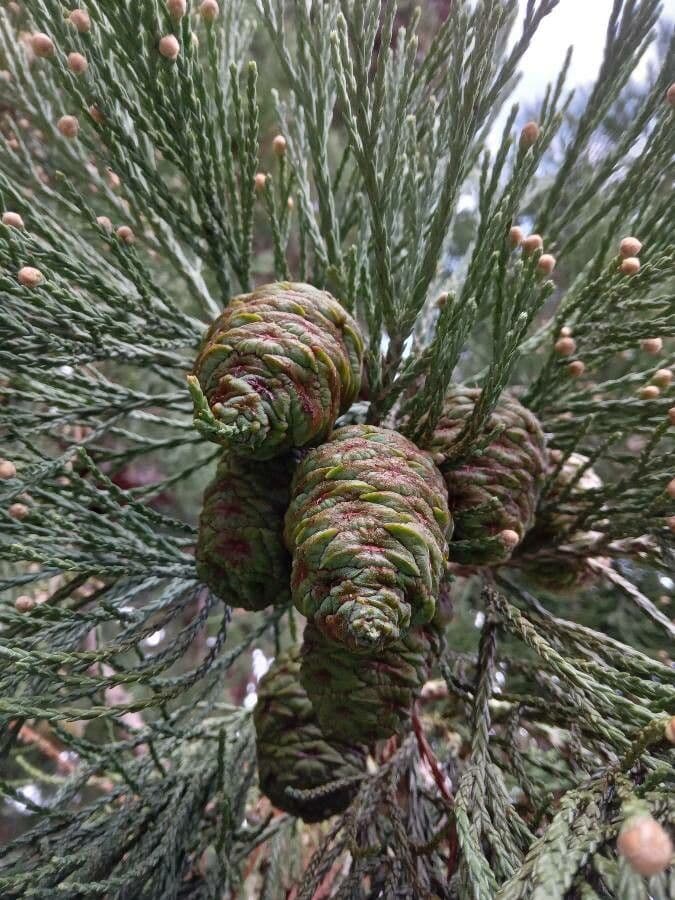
column 30, row 277
column 531, row 243
column 529, row 135
column 630, row 265
column 42, row 45
column 630, row 246
column 169, row 47
column 645, row 845
column 7, row 469
column 279, row 145
column 565, row 346
column 68, row 126
column 209, row 10
column 652, row 345
column 77, row 63
column 79, row 18
column 13, row 220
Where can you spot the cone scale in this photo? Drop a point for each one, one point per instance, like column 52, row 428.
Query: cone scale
column 276, row 369
column 366, row 699
column 241, row 554
column 493, row 493
column 293, row 753
column 367, row 527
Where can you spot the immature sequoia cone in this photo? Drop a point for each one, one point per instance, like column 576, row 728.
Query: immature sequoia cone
column 492, row 493
column 276, row 369
column 240, row 549
column 294, row 754
column 367, row 526
column 366, row 699
column 551, row 557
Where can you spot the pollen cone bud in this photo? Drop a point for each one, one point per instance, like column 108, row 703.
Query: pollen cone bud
column 80, row 19
column 565, row 346
column 649, row 392
column 516, row 236
column 669, row 730
column 645, row 845
column 96, row 114
column 494, row 491
column 364, row 699
column 77, row 63
column 260, row 182
column 126, row 234
column 7, row 469
column 367, row 526
column 13, row 220
column 176, row 8
column 294, row 754
column 652, row 345
column 630, row 265
column 42, row 45
column 68, row 126
column 529, row 135
column 670, row 488
column 241, row 554
column 576, row 368
column 169, row 47
column 630, row 246
column 663, row 378
column 276, row 369
column 670, row 95
column 24, row 604
column 546, row 264
column 531, row 243
column 30, row 277
column 209, row 10
column 279, row 145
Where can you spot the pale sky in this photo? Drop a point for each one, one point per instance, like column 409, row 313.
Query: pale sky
column 581, row 23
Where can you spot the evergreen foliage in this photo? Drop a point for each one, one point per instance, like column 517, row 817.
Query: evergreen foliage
column 135, row 204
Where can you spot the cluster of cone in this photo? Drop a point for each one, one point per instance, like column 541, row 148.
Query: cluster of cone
column 357, row 526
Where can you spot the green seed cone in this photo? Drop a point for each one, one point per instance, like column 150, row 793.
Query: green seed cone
column 276, row 369
column 367, row 526
column 550, row 557
column 241, row 554
column 293, row 752
column 366, row 699
column 496, row 490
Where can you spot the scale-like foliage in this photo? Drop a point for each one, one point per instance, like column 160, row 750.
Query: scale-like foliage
column 140, row 191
